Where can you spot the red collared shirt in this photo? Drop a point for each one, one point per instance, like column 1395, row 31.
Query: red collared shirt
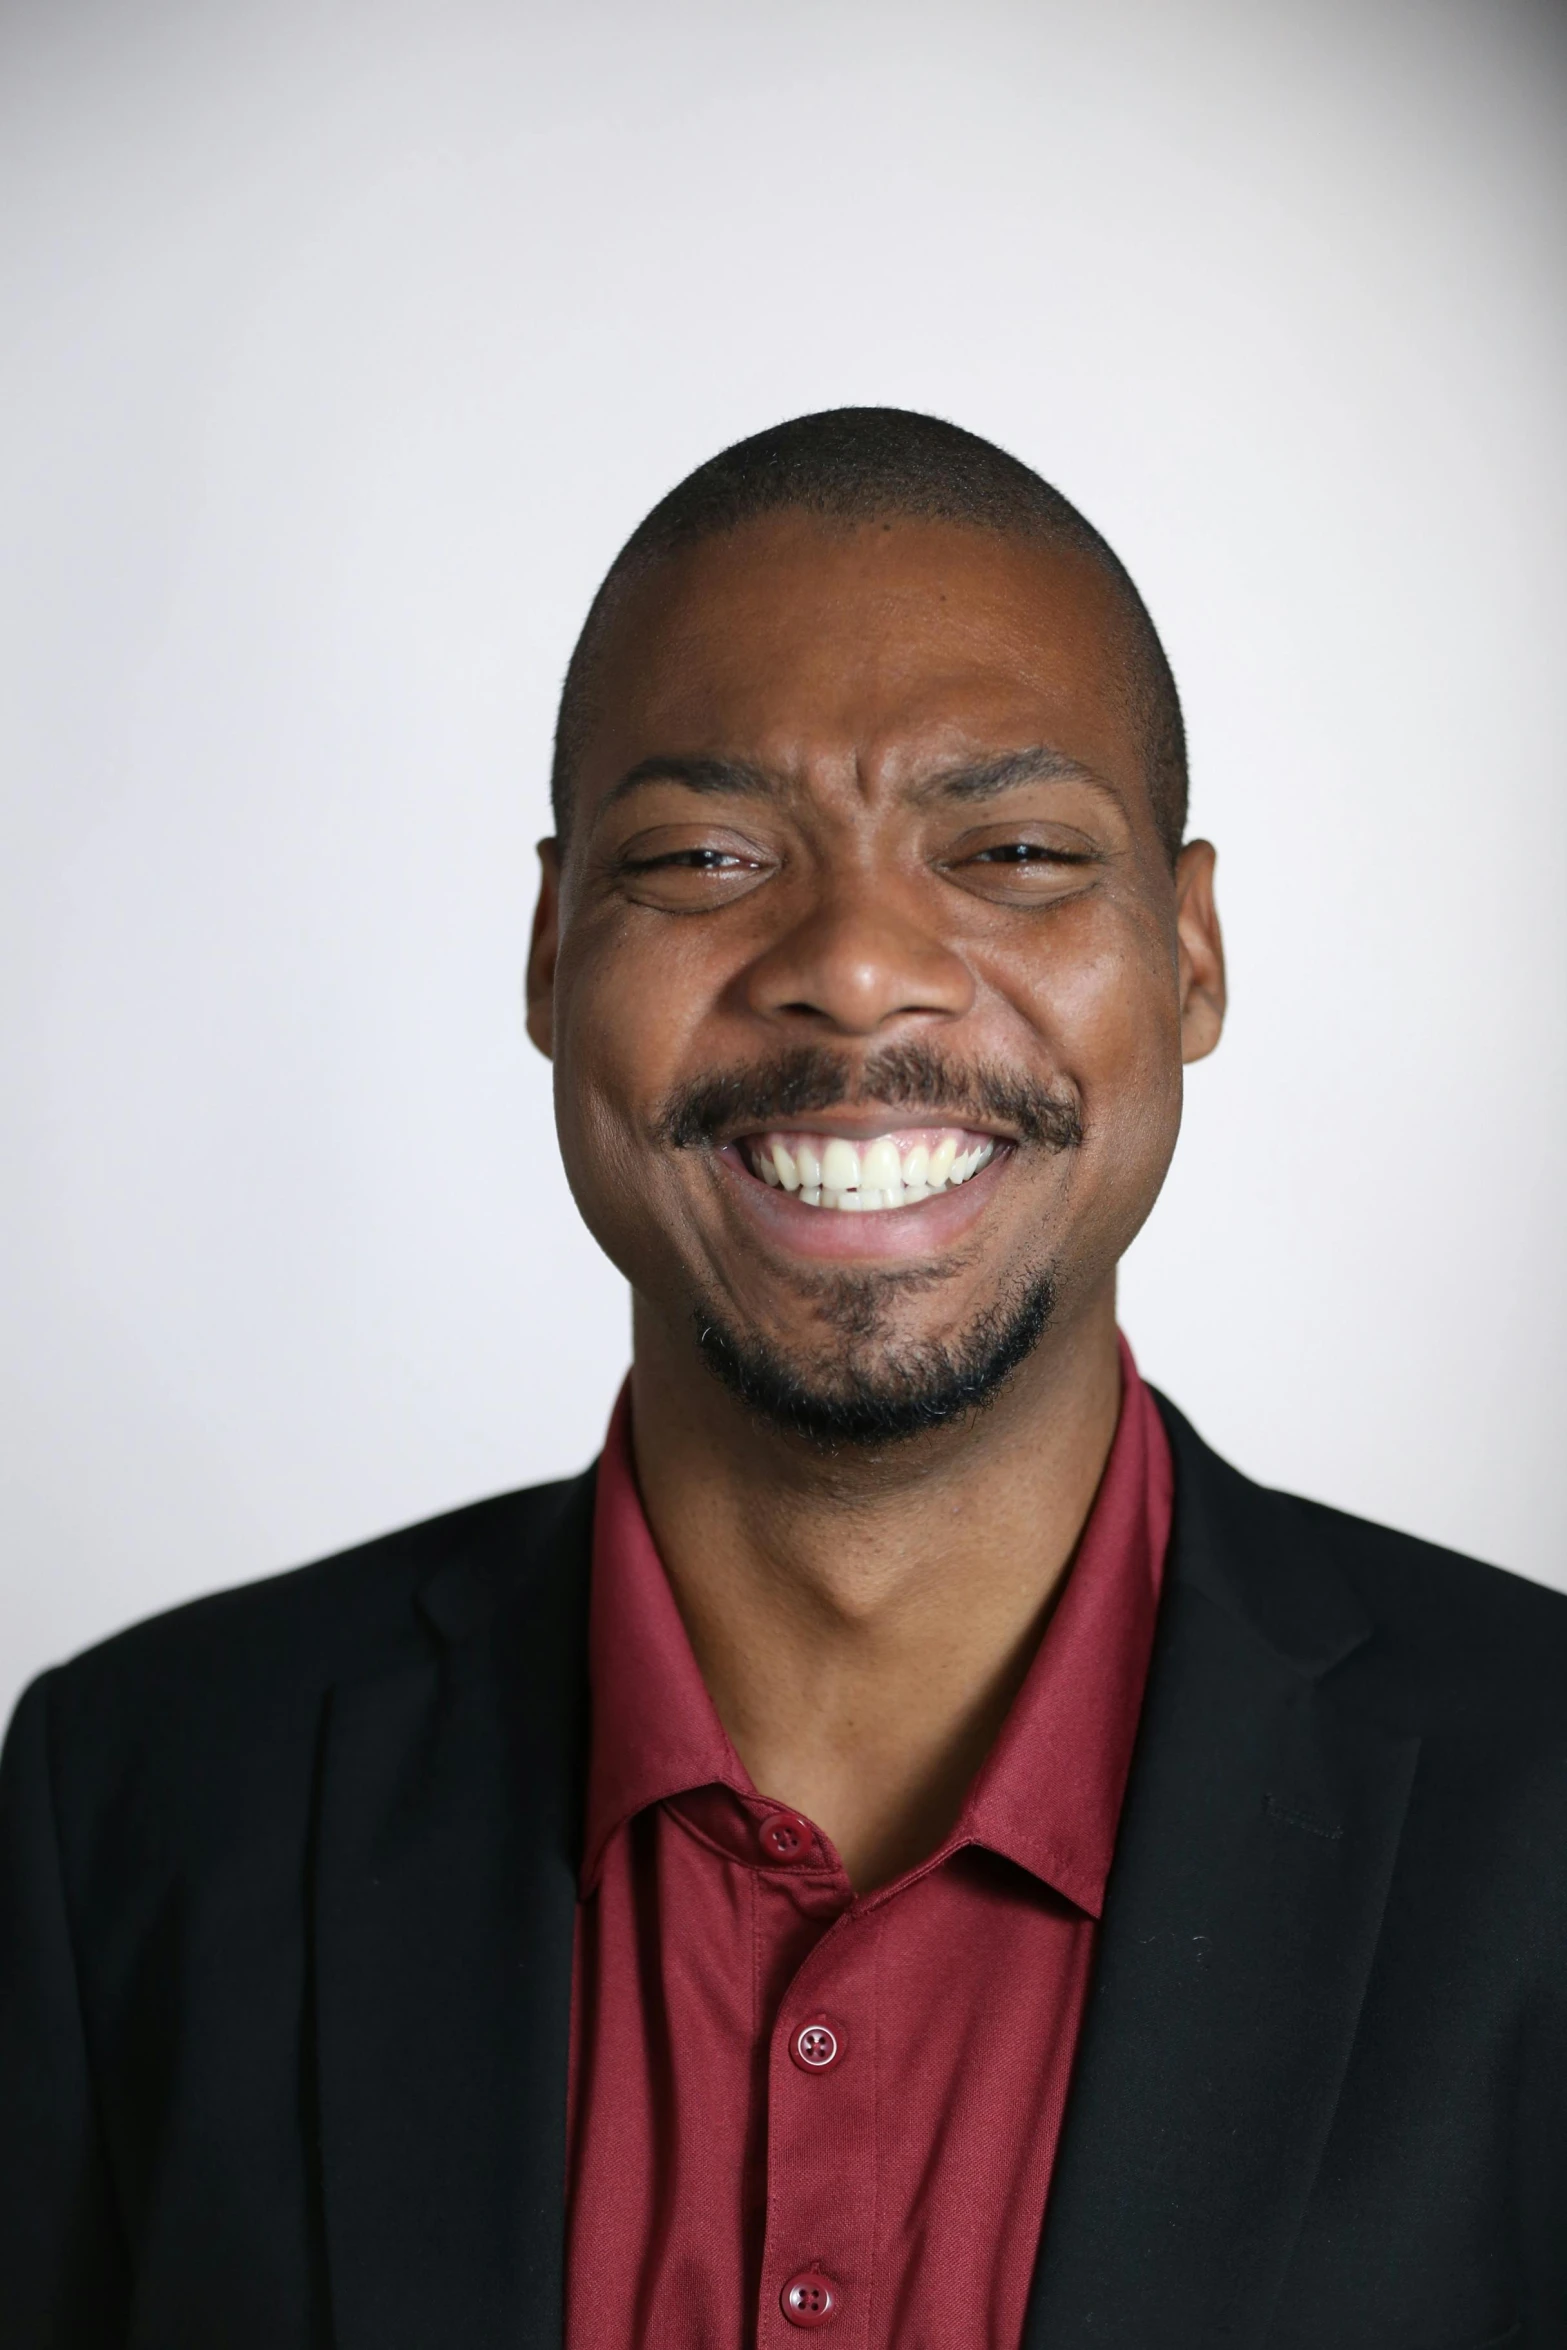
column 792, row 2109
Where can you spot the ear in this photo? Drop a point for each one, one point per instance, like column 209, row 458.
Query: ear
column 543, row 948
column 1201, row 951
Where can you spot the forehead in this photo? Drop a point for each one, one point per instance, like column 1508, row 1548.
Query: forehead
column 792, row 640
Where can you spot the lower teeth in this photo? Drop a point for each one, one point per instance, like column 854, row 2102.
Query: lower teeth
column 867, row 1202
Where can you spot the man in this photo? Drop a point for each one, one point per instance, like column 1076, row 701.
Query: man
column 913, row 1845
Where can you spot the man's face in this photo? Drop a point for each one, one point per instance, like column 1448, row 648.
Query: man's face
column 864, row 971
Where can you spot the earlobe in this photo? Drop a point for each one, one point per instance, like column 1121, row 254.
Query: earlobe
column 542, row 950
column 1200, row 950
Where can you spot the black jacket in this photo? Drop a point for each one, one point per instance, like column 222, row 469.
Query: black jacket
column 285, row 1954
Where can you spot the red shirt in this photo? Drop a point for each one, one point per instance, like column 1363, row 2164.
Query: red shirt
column 792, row 2107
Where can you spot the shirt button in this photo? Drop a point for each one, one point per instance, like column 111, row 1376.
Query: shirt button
column 810, row 2299
column 817, row 2044
column 785, row 1836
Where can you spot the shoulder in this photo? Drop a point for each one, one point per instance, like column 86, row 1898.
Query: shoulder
column 1437, row 1636
column 244, row 1666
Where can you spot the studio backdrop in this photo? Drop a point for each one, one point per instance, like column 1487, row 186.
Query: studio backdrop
column 342, row 345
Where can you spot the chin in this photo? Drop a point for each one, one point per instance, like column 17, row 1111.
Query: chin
column 864, row 1384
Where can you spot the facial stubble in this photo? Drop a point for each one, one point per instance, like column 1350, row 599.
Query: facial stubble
column 861, row 1383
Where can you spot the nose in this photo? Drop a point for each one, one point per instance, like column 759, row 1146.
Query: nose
column 858, row 963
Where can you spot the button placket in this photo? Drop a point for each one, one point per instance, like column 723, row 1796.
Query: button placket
column 821, row 2144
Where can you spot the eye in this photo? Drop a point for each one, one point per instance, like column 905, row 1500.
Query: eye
column 1022, row 869
column 1027, row 852
column 668, row 869
column 696, row 860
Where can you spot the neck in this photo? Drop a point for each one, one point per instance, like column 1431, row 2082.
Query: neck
column 863, row 1619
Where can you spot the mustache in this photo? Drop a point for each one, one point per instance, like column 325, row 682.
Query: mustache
column 793, row 1084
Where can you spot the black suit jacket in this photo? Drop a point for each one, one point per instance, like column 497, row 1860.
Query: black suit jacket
column 286, row 1927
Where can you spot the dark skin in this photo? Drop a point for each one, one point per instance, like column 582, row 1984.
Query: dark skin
column 856, row 787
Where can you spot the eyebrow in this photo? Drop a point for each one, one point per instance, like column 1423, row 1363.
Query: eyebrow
column 987, row 779
column 700, row 775
column 971, row 780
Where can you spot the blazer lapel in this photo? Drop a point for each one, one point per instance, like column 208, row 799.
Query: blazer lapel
column 445, row 1903
column 1255, row 1852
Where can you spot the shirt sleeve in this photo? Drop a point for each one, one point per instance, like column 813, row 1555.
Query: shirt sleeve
column 62, row 2263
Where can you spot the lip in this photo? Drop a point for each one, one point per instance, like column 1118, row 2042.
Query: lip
column 886, row 1235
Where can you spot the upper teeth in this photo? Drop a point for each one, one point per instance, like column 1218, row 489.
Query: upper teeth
column 885, row 1171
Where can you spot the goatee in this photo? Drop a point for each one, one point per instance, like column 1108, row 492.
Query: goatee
column 875, row 1391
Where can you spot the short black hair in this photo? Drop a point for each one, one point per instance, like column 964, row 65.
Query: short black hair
column 862, row 465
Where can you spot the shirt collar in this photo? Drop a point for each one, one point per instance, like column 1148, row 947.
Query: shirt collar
column 654, row 1730
column 1048, row 1796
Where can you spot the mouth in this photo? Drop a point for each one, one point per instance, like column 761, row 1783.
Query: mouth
column 870, row 1174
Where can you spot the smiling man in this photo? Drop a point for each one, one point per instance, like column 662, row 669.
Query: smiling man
column 911, row 1843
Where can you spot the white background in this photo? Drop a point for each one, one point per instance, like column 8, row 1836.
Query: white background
column 341, row 348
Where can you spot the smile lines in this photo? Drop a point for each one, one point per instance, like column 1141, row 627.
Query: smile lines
column 884, row 1171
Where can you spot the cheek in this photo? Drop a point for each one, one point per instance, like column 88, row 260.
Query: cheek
column 1104, row 994
column 1130, row 1076
column 1109, row 1005
column 619, row 1022
column 623, row 1039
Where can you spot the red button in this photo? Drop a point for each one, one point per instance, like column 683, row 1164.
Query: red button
column 817, row 2044
column 785, row 1836
column 810, row 2299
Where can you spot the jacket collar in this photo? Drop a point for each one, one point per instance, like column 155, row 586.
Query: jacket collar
column 1261, row 1827
column 1253, row 1554
column 444, row 1866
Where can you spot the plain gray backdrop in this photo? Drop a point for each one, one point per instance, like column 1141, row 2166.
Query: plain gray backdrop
column 341, row 348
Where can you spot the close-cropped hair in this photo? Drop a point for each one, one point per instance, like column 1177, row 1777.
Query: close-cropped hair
column 858, row 465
